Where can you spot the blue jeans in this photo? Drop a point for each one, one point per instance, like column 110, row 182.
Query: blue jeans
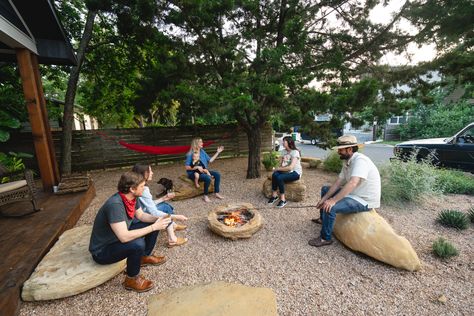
column 280, row 178
column 165, row 207
column 344, row 206
column 207, row 180
column 132, row 250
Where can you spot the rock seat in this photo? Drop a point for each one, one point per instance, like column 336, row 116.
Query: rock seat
column 68, row 269
column 369, row 233
column 294, row 191
column 187, row 189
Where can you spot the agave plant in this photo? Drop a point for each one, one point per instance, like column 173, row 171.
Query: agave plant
column 453, row 218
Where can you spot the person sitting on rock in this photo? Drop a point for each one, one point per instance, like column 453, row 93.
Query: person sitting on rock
column 197, row 163
column 114, row 237
column 290, row 170
column 357, row 189
column 197, row 146
column 149, row 206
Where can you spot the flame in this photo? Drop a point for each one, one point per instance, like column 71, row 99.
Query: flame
column 233, row 219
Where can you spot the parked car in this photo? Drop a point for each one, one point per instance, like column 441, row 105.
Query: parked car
column 453, row 152
column 336, row 132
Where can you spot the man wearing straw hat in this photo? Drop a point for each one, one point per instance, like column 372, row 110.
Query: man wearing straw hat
column 357, row 189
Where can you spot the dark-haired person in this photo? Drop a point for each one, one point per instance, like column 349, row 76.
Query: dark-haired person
column 115, row 238
column 149, row 206
column 290, row 170
column 357, row 189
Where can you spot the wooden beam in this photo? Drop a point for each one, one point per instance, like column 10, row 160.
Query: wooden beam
column 35, row 104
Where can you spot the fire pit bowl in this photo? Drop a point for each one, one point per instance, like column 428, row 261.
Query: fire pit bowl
column 235, row 221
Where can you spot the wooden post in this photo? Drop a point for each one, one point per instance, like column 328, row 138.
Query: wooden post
column 36, row 105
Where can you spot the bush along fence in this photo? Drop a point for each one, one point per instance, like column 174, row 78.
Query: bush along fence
column 99, row 149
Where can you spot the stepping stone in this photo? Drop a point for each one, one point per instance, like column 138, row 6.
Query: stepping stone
column 216, row 298
column 188, row 190
column 369, row 233
column 294, row 191
column 68, row 269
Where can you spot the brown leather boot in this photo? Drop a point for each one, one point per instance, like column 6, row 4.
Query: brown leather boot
column 154, row 260
column 179, row 227
column 137, row 284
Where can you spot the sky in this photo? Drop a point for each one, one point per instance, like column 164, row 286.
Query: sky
column 414, row 54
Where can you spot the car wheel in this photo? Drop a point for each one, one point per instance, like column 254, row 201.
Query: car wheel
column 313, row 141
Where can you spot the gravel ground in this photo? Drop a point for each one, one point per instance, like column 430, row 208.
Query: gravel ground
column 306, row 280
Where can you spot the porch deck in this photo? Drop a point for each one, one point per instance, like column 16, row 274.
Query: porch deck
column 26, row 239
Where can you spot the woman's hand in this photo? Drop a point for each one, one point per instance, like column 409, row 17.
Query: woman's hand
column 179, row 217
column 161, row 223
column 220, row 149
column 200, row 169
column 169, row 196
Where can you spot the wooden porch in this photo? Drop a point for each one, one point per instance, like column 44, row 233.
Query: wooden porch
column 26, row 239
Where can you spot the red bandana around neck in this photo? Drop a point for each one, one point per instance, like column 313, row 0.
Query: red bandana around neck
column 129, row 205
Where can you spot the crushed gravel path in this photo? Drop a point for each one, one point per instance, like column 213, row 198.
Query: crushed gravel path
column 306, row 280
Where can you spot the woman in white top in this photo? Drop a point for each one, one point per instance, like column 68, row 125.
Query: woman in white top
column 290, row 170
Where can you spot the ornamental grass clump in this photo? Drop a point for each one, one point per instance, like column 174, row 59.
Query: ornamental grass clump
column 453, row 218
column 444, row 249
column 470, row 214
column 314, row 164
column 454, row 181
column 408, row 181
column 333, row 162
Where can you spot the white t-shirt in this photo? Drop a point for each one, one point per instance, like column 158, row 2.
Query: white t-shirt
column 369, row 189
column 288, row 156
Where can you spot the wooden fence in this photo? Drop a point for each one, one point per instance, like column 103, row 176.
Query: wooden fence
column 92, row 151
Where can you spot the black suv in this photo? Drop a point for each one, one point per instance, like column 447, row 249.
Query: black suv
column 453, row 152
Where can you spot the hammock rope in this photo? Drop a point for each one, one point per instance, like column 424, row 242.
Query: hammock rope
column 154, row 150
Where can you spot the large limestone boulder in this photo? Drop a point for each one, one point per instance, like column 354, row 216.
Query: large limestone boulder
column 234, row 233
column 294, row 191
column 216, row 298
column 369, row 233
column 68, row 269
column 187, row 189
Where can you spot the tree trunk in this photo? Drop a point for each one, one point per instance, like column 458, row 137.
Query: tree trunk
column 255, row 142
column 68, row 117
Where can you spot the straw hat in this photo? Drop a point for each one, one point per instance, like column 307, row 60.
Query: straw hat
column 346, row 141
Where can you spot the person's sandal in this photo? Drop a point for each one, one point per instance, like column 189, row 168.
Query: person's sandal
column 180, row 241
column 317, row 221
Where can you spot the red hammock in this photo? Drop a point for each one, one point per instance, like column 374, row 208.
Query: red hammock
column 161, row 150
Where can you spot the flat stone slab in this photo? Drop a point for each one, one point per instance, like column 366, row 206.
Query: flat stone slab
column 214, row 299
column 68, row 269
column 187, row 189
column 294, row 191
column 369, row 233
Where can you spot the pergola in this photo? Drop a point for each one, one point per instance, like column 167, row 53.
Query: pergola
column 31, row 34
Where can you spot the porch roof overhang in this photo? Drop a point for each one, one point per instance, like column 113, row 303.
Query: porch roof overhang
column 33, row 25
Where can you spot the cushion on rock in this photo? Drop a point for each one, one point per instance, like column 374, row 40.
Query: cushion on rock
column 68, row 269
column 294, row 191
column 216, row 298
column 10, row 186
column 369, row 233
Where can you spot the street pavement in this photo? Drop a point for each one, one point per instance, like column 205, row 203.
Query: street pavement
column 379, row 153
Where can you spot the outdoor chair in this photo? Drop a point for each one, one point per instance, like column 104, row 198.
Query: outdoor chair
column 20, row 190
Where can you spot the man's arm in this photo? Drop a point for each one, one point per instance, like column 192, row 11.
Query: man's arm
column 334, row 187
column 346, row 189
column 120, row 229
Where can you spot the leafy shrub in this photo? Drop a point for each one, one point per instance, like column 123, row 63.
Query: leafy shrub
column 270, row 160
column 408, row 181
column 470, row 214
column 453, row 218
column 453, row 181
column 332, row 162
column 444, row 249
column 11, row 162
column 313, row 164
